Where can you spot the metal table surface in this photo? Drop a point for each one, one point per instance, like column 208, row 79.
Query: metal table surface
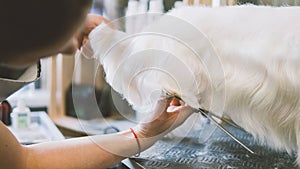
column 219, row 152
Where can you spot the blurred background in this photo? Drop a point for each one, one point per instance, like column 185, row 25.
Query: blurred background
column 69, row 84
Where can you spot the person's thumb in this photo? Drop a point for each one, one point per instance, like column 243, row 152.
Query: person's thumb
column 180, row 109
column 173, row 109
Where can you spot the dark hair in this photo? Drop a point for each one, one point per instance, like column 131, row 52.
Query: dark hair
column 35, row 25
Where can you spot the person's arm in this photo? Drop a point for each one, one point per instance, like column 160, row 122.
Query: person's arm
column 12, row 154
column 100, row 151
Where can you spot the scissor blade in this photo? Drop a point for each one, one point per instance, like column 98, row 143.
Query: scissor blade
column 226, row 121
column 226, row 131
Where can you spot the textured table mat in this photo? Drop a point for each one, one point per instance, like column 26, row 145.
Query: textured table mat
column 219, row 152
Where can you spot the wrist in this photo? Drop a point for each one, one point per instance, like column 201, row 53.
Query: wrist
column 140, row 142
column 146, row 138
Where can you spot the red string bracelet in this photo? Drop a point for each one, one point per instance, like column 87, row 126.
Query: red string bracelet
column 138, row 142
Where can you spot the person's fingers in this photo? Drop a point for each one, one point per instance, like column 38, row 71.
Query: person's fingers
column 87, row 51
column 168, row 102
column 93, row 21
column 85, row 40
column 164, row 101
column 175, row 102
column 180, row 109
column 161, row 107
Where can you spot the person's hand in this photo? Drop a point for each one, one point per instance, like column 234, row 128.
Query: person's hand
column 168, row 114
column 81, row 38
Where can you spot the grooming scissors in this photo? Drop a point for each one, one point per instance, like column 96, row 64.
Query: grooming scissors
column 210, row 115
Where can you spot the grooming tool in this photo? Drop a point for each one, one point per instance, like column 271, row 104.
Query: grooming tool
column 210, row 115
column 205, row 112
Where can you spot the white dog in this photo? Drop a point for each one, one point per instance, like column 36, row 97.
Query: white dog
column 243, row 61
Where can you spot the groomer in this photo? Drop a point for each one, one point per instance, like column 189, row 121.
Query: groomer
column 34, row 29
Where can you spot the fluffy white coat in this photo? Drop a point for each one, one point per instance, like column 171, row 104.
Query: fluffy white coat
column 243, row 61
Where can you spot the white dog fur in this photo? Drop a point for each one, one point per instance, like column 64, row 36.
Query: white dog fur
column 243, row 61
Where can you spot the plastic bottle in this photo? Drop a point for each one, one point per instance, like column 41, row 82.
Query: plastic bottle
column 132, row 8
column 21, row 115
column 141, row 19
column 216, row 3
column 132, row 11
column 143, row 6
column 156, row 6
column 155, row 10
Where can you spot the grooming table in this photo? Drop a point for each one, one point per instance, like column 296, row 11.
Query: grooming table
column 219, row 152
